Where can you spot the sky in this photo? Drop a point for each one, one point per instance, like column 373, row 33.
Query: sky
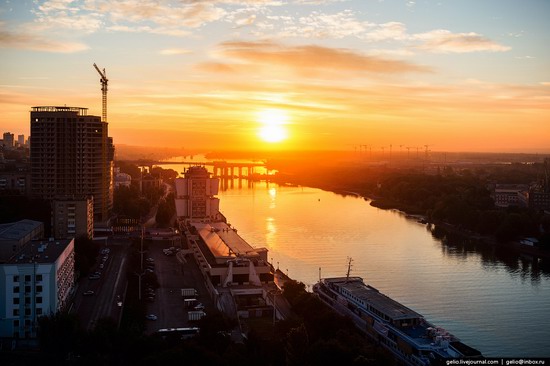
column 456, row 75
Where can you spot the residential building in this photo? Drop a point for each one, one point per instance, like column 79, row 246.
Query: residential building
column 122, row 179
column 8, row 140
column 16, row 182
column 37, row 281
column 21, row 140
column 72, row 155
column 506, row 195
column 195, row 193
column 73, row 217
column 15, row 235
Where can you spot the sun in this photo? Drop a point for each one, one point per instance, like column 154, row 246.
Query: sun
column 272, row 127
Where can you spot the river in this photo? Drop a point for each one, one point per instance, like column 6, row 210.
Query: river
column 493, row 299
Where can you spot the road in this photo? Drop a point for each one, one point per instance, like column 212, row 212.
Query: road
column 110, row 285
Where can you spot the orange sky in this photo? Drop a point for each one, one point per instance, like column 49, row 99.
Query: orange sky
column 341, row 74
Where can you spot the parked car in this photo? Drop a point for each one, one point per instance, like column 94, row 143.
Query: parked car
column 88, row 293
column 150, row 260
column 94, row 277
column 151, row 317
column 199, row 306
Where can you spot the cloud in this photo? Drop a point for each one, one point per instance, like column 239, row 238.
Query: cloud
column 310, row 60
column 28, row 41
column 443, row 41
column 175, row 51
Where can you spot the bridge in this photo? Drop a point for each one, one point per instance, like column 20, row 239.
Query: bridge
column 220, row 168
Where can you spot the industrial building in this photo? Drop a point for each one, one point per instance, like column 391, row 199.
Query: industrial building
column 71, row 154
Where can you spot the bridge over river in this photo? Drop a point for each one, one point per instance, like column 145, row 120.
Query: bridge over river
column 220, row 168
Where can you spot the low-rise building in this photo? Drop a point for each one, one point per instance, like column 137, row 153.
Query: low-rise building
column 506, row 195
column 37, row 281
column 16, row 235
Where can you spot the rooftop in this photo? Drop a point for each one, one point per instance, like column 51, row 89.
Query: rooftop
column 19, row 229
column 41, row 251
column 223, row 241
column 374, row 298
column 79, row 110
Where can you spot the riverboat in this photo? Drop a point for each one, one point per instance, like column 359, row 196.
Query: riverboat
column 404, row 332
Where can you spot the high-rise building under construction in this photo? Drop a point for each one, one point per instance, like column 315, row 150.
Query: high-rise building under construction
column 71, row 154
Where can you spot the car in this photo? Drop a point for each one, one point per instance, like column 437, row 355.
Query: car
column 118, row 301
column 101, row 265
column 151, row 317
column 199, row 306
column 88, row 293
column 148, row 270
column 150, row 299
column 151, row 260
column 93, row 277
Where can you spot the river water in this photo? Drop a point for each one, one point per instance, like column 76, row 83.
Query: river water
column 493, row 299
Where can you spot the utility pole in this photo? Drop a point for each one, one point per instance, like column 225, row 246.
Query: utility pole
column 104, row 81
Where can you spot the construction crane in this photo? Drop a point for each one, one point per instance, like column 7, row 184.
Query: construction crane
column 103, row 82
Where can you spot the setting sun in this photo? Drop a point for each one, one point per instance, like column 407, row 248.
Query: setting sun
column 272, row 127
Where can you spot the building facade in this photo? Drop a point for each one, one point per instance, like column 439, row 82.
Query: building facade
column 15, row 181
column 195, row 193
column 37, row 281
column 71, row 154
column 73, row 217
column 8, row 140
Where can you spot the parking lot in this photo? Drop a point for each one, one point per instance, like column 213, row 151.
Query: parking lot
column 168, row 305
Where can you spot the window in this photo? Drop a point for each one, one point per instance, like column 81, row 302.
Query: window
column 27, row 300
column 15, row 278
column 27, row 311
column 16, row 323
column 39, row 299
column 38, row 311
column 27, row 278
column 39, row 288
column 15, row 289
column 15, row 312
column 15, row 301
column 27, row 289
column 38, row 277
column 27, row 322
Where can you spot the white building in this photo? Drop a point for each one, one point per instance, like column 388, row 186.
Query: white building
column 35, row 282
column 195, row 199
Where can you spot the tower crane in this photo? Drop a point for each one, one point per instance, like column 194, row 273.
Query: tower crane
column 103, row 82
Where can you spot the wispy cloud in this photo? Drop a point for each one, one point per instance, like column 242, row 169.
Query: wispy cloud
column 175, row 51
column 311, row 60
column 443, row 41
column 27, row 41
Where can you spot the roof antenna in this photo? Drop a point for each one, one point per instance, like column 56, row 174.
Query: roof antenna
column 349, row 268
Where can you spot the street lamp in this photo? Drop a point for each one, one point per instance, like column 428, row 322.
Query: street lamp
column 139, row 283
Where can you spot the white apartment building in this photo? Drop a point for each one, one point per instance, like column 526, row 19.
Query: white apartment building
column 35, row 282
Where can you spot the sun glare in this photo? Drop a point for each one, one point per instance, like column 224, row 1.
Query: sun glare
column 272, row 127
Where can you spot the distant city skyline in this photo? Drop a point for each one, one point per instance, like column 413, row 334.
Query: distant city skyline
column 274, row 74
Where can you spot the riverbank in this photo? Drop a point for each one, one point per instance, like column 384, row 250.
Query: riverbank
column 420, row 216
